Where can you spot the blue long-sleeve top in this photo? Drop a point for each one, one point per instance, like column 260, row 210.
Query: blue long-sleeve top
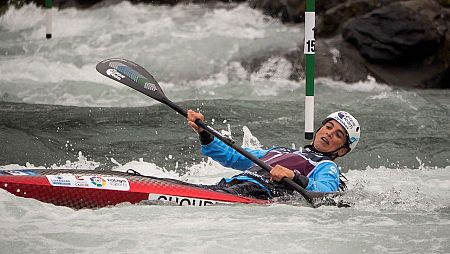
column 324, row 177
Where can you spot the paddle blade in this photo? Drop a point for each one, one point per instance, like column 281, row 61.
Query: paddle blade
column 132, row 75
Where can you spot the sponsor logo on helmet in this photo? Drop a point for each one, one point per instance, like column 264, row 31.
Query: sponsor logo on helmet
column 347, row 120
column 115, row 74
column 353, row 140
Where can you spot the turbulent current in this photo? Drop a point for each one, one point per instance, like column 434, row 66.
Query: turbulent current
column 56, row 111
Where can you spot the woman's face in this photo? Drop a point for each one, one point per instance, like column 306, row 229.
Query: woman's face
column 330, row 137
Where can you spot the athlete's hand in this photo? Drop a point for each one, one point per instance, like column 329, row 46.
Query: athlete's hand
column 191, row 117
column 279, row 172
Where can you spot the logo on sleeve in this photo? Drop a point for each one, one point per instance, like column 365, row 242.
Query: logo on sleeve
column 333, row 170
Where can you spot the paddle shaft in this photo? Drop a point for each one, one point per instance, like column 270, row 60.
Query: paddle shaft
column 248, row 155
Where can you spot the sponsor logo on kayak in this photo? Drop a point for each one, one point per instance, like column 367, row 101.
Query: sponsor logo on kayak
column 117, row 182
column 59, row 180
column 183, row 201
column 115, row 74
column 81, row 182
column 92, row 182
column 98, row 181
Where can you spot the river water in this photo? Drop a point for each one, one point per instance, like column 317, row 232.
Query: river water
column 56, row 111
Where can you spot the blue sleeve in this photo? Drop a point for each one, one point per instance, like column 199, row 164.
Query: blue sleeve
column 228, row 157
column 325, row 178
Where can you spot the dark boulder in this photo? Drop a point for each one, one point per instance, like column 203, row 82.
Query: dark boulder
column 400, row 43
column 398, row 33
column 289, row 11
column 333, row 59
column 332, row 17
column 405, row 43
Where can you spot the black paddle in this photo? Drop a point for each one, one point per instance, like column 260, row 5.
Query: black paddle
column 136, row 77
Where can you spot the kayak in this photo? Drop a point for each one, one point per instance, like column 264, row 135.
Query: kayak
column 80, row 189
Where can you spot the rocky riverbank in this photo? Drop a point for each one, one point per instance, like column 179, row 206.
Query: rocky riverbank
column 401, row 43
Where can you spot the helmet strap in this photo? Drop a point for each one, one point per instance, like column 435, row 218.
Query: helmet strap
column 333, row 155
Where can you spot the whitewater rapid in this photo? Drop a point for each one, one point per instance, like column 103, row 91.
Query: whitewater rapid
column 56, row 111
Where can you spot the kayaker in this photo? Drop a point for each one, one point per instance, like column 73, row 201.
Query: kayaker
column 311, row 167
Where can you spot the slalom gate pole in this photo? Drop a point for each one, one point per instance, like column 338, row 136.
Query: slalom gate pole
column 309, row 51
column 48, row 7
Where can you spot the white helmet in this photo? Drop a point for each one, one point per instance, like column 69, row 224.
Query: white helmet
column 349, row 123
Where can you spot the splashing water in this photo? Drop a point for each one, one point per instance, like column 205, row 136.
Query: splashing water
column 399, row 175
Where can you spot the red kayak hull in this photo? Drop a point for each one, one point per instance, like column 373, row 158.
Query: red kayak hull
column 95, row 189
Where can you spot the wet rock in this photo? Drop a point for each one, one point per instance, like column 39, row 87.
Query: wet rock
column 334, row 59
column 405, row 43
column 333, row 16
column 440, row 80
column 287, row 10
column 397, row 33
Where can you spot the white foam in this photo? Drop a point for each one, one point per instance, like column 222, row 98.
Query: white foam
column 423, row 188
column 12, row 19
column 146, row 169
column 368, row 85
column 400, row 98
column 275, row 68
column 250, row 141
column 186, row 47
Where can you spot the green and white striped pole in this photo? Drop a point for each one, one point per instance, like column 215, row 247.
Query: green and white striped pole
column 48, row 7
column 309, row 51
